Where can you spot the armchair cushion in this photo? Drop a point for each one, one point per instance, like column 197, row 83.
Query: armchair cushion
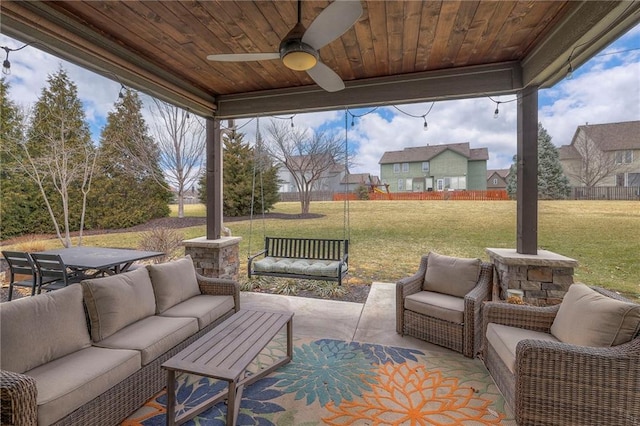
column 173, row 282
column 504, row 340
column 588, row 318
column 454, row 276
column 436, row 305
column 116, row 301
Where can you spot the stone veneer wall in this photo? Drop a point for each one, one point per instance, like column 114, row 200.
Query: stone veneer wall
column 215, row 258
column 544, row 278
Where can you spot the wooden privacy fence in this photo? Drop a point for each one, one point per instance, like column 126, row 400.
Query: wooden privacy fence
column 606, row 193
column 492, row 195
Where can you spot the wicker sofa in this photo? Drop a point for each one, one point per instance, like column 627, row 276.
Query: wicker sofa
column 90, row 353
column 442, row 302
column 577, row 363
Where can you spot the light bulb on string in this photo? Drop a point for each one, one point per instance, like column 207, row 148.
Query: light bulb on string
column 292, row 122
column 6, row 65
column 425, row 127
column 570, row 72
column 496, row 112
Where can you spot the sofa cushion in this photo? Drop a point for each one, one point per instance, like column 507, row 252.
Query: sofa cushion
column 152, row 336
column 39, row 329
column 451, row 275
column 437, row 305
column 173, row 282
column 504, row 340
column 588, row 318
column 69, row 382
column 115, row 302
column 205, row 308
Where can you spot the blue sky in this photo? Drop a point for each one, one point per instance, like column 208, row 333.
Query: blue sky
column 604, row 90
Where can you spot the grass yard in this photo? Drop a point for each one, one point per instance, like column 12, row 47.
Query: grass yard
column 388, row 237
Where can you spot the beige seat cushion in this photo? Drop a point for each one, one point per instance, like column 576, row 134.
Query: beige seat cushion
column 115, row 302
column 504, row 340
column 39, row 329
column 153, row 336
column 67, row 383
column 588, row 318
column 437, row 305
column 316, row 268
column 205, row 308
column 451, row 275
column 173, row 282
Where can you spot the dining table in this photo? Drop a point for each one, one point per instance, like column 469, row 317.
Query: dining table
column 101, row 260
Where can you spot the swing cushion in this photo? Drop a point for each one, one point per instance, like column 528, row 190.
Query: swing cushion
column 316, row 268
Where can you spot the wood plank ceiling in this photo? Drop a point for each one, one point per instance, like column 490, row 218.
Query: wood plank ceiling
column 392, row 39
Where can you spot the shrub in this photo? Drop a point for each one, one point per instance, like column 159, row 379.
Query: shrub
column 166, row 240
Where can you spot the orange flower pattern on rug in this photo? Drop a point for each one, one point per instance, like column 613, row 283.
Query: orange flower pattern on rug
column 412, row 395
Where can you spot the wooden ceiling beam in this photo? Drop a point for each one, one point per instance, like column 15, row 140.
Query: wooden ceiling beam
column 456, row 83
column 581, row 34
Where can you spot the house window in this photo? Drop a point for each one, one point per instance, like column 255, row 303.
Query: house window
column 425, row 167
column 400, row 184
column 495, row 181
column 396, row 168
column 409, row 185
column 633, row 179
column 624, row 157
column 405, row 167
column 455, row 182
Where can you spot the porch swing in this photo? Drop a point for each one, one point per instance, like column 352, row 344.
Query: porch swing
column 300, row 258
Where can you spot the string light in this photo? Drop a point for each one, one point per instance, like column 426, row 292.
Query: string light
column 425, row 126
column 496, row 112
column 121, row 93
column 570, row 71
column 6, row 64
column 286, row 118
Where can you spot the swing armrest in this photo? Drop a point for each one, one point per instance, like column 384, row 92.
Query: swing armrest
column 250, row 260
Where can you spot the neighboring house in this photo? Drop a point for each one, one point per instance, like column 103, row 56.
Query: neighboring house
column 603, row 155
column 330, row 180
column 351, row 182
column 497, row 179
column 435, row 168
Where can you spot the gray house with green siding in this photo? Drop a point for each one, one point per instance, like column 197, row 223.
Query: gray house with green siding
column 435, row 168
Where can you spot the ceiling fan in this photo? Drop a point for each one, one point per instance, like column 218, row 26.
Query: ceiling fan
column 299, row 49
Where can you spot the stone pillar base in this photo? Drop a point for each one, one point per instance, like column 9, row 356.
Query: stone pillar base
column 544, row 278
column 215, row 258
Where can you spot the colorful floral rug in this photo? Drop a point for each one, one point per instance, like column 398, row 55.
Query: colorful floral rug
column 334, row 382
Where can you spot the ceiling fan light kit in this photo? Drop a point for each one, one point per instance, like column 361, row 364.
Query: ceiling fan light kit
column 297, row 55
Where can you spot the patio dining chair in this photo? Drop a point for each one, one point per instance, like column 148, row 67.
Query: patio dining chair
column 20, row 263
column 53, row 274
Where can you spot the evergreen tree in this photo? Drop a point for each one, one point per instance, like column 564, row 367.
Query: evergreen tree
column 238, row 177
column 59, row 154
column 552, row 183
column 20, row 201
column 125, row 192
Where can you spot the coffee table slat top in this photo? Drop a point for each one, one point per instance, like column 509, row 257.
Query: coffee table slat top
column 225, row 351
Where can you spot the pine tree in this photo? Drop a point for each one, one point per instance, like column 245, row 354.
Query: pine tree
column 59, row 154
column 126, row 192
column 20, row 201
column 238, row 179
column 552, row 183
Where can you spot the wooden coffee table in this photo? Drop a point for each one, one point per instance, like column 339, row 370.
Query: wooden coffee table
column 224, row 353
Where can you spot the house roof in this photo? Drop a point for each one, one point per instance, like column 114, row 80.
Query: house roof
column 503, row 173
column 608, row 137
column 360, row 178
column 425, row 153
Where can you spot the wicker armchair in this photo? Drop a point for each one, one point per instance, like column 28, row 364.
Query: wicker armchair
column 558, row 383
column 464, row 336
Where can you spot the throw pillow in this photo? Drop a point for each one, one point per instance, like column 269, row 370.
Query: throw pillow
column 39, row 329
column 116, row 301
column 173, row 282
column 588, row 318
column 454, row 276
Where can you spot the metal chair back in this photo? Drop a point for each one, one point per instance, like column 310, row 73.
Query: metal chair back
column 20, row 263
column 52, row 271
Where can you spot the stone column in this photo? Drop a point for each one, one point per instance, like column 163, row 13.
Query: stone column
column 218, row 258
column 544, row 277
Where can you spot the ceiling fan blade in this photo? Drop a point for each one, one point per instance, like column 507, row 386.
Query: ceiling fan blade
column 326, row 78
column 332, row 22
column 243, row 57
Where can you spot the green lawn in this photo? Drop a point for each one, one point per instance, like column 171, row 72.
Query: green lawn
column 388, row 237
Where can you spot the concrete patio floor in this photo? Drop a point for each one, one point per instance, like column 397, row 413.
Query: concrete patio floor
column 371, row 322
